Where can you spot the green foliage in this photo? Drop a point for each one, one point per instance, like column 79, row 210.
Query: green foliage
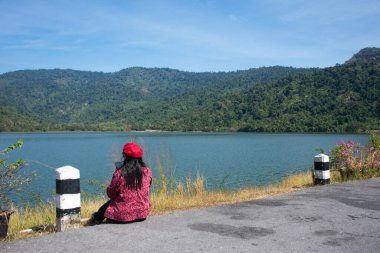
column 320, row 150
column 342, row 156
column 375, row 140
column 76, row 100
column 352, row 162
column 339, row 99
column 11, row 176
column 344, row 98
column 366, row 54
column 13, row 121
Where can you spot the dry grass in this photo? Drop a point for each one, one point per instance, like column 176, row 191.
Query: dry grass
column 197, row 197
column 38, row 216
column 182, row 196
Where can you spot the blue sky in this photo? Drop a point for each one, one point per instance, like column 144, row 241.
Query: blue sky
column 198, row 35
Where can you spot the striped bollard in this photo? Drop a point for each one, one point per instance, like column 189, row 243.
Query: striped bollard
column 321, row 169
column 68, row 198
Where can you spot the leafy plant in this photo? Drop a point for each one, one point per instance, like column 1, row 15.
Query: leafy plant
column 354, row 162
column 342, row 156
column 375, row 140
column 12, row 176
column 320, row 150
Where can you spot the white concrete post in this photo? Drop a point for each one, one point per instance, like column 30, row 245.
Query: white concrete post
column 67, row 198
column 321, row 169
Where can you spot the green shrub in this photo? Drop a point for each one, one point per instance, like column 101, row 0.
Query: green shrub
column 12, row 176
column 354, row 162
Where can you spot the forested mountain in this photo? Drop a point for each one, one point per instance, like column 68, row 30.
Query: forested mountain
column 273, row 99
column 58, row 98
column 344, row 98
column 366, row 54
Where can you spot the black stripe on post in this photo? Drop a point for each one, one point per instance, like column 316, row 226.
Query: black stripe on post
column 321, row 166
column 64, row 212
column 68, row 186
column 321, row 181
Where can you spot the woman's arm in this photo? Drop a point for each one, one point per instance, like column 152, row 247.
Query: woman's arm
column 149, row 175
column 113, row 189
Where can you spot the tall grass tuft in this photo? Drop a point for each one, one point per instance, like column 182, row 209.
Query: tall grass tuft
column 198, row 185
column 180, row 191
column 28, row 217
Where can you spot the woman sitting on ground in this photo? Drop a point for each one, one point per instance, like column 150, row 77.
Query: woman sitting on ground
column 128, row 190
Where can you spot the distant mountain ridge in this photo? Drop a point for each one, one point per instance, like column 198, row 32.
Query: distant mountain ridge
column 146, row 83
column 69, row 96
column 366, row 54
column 270, row 99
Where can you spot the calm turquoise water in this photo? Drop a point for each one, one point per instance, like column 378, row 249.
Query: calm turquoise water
column 242, row 159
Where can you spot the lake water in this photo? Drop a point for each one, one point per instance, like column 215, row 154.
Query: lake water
column 234, row 159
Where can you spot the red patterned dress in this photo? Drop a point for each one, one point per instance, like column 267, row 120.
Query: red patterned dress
column 127, row 204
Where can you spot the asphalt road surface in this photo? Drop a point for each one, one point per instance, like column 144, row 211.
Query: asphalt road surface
column 332, row 218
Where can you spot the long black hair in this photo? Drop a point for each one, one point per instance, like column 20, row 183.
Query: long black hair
column 132, row 170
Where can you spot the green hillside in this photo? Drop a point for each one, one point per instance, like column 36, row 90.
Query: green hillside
column 60, row 99
column 365, row 55
column 344, row 98
column 13, row 121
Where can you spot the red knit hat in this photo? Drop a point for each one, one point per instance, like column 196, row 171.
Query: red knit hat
column 133, row 150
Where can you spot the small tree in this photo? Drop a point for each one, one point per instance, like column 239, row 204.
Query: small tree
column 12, row 177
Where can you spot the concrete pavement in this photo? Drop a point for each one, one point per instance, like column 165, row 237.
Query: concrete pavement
column 333, row 218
